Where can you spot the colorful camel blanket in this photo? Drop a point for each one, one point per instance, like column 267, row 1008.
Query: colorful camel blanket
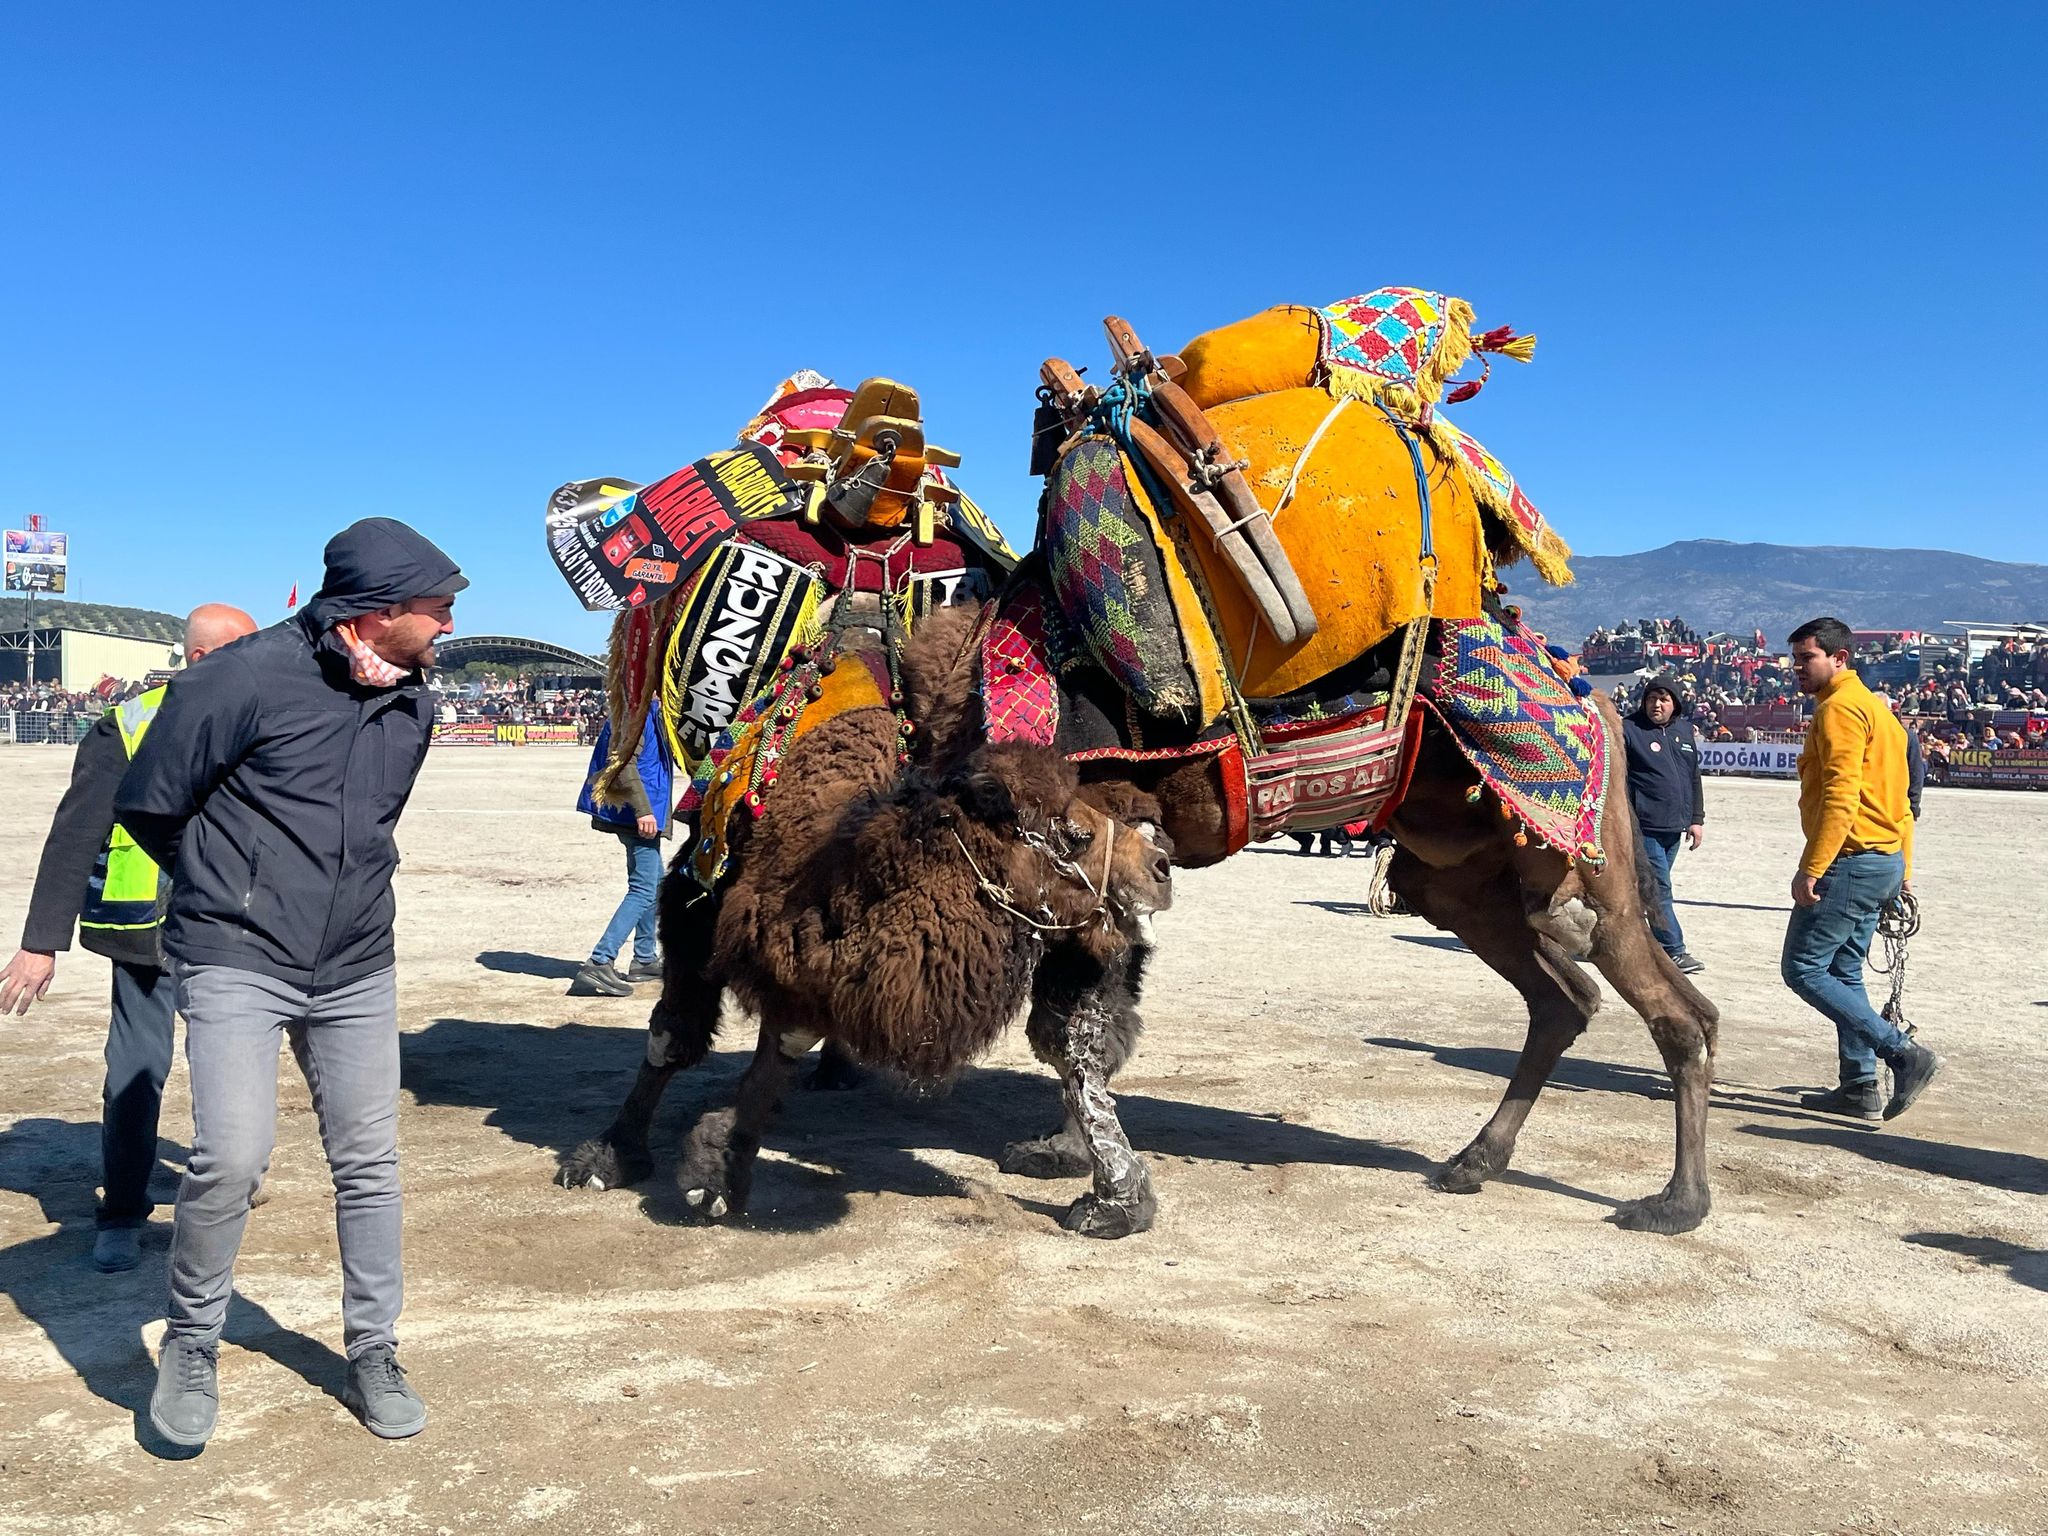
column 1543, row 751
column 737, row 776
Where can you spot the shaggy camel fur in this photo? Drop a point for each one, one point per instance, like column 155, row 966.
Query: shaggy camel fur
column 901, row 920
column 1528, row 913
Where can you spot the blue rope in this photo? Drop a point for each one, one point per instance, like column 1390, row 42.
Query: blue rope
column 1421, row 479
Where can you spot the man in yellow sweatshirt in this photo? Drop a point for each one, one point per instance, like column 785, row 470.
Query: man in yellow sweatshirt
column 1858, row 857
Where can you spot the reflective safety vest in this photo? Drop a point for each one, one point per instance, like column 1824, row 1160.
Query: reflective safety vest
column 128, row 892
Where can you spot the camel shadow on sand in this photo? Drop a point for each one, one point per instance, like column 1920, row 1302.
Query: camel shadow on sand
column 95, row 1321
column 553, row 1087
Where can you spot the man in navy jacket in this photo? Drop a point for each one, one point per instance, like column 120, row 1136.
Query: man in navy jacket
column 270, row 785
column 1667, row 796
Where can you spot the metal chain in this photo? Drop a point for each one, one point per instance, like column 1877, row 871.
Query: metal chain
column 1897, row 922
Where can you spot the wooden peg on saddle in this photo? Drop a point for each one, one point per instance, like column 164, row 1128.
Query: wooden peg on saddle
column 1195, row 500
column 1134, row 360
column 1212, row 467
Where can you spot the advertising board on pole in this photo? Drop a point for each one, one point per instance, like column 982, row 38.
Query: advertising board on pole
column 35, row 560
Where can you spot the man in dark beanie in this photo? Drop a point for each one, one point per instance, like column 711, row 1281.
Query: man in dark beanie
column 1669, row 801
column 270, row 786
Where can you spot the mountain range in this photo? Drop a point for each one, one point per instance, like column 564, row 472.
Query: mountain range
column 1715, row 585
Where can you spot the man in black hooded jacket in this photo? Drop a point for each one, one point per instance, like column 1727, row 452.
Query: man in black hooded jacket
column 270, row 786
column 1667, row 796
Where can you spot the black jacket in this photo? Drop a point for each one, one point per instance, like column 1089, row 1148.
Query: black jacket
column 78, row 837
column 271, row 783
column 1664, row 786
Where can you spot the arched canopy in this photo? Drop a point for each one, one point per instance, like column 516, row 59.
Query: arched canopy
column 510, row 650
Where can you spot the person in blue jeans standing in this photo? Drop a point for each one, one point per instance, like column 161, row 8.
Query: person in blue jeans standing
column 1855, row 807
column 1668, row 798
column 635, row 808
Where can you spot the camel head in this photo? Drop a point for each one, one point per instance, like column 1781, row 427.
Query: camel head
column 1087, row 863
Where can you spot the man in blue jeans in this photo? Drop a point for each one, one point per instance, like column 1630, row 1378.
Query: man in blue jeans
column 1668, row 798
column 270, row 786
column 633, row 802
column 1855, row 812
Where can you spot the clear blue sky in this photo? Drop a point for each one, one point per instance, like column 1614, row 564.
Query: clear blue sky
column 271, row 268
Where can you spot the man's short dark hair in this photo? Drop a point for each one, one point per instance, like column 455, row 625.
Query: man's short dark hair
column 1831, row 635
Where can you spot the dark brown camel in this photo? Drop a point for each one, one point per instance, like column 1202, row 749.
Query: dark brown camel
column 1528, row 913
column 901, row 920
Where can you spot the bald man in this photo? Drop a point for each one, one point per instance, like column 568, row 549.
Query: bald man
column 93, row 875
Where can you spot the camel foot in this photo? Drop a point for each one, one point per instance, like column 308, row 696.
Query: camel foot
column 1049, row 1157
column 1463, row 1174
column 717, row 1169
column 834, row 1073
column 1093, row 1216
column 1671, row 1211
column 604, row 1164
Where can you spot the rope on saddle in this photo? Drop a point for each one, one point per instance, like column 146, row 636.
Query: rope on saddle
column 1896, row 924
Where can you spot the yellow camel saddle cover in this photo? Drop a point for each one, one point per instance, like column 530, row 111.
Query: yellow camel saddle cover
column 737, row 777
column 1332, row 415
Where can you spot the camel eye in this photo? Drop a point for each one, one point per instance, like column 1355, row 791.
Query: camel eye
column 1072, row 835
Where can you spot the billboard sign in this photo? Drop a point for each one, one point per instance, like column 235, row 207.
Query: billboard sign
column 1771, row 759
column 35, row 560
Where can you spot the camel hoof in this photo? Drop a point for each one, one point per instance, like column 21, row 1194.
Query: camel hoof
column 1092, row 1216
column 1465, row 1173
column 1046, row 1158
column 717, row 1168
column 1667, row 1213
column 600, row 1165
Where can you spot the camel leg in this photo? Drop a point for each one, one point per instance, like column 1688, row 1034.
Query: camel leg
column 1084, row 1022
column 1064, row 980
column 1686, row 1028
column 1487, row 913
column 716, row 1174
column 680, row 1030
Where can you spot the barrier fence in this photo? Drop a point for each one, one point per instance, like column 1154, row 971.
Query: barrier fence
column 39, row 727
column 506, row 733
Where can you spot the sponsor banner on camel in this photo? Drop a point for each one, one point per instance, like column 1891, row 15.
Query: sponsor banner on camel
column 1768, row 759
column 737, row 624
column 620, row 544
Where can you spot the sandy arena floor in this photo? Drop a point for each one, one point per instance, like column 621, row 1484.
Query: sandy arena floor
column 902, row 1339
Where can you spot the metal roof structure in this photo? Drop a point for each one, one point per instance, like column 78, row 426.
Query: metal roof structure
column 512, row 651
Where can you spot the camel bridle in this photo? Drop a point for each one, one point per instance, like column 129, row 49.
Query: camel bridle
column 1003, row 899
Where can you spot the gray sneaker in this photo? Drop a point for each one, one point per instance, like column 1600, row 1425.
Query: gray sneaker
column 644, row 970
column 593, row 979
column 115, row 1249
column 378, row 1394
column 187, row 1396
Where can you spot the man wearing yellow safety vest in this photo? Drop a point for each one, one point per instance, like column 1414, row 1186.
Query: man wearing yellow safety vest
column 92, row 874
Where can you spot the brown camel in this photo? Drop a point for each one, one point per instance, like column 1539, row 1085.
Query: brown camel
column 1527, row 912
column 900, row 919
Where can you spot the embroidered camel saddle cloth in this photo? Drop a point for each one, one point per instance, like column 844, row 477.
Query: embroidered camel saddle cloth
column 1262, row 509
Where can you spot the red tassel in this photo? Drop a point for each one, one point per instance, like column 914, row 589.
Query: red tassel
column 1464, row 392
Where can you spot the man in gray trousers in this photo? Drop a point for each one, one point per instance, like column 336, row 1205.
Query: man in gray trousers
column 270, row 785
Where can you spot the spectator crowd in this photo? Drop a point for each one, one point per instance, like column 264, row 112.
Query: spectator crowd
column 1738, row 691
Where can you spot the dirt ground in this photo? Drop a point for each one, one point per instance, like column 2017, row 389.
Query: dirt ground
column 903, row 1340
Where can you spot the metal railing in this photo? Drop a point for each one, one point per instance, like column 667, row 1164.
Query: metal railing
column 51, row 727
